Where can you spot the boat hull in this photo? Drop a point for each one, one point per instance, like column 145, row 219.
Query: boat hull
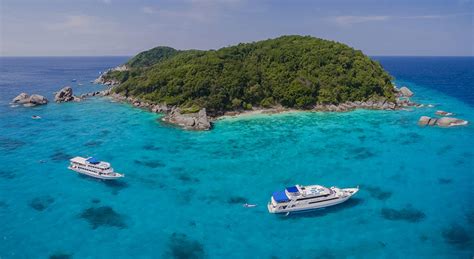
column 103, row 177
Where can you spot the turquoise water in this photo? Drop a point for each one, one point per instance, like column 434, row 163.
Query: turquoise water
column 183, row 191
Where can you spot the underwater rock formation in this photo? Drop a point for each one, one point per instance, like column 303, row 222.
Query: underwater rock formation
column 181, row 246
column 41, row 203
column 456, row 235
column 103, row 216
column 406, row 214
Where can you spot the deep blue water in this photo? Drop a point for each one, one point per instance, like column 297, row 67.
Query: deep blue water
column 183, row 191
column 453, row 76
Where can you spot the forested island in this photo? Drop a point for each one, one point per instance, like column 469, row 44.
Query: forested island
column 298, row 72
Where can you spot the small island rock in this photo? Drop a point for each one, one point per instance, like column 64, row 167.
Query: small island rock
column 29, row 101
column 449, row 122
column 21, row 98
column 442, row 122
column 65, row 95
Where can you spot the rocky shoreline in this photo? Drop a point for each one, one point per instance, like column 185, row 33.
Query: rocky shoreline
column 201, row 120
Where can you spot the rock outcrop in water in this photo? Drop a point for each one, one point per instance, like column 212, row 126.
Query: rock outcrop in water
column 29, row 101
column 444, row 113
column 106, row 78
column 65, row 95
column 442, row 122
column 196, row 121
column 405, row 92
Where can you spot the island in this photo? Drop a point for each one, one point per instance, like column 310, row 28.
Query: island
column 194, row 87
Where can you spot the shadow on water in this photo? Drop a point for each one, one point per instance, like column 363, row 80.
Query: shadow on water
column 115, row 185
column 324, row 211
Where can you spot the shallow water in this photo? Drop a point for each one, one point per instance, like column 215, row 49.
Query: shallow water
column 183, row 191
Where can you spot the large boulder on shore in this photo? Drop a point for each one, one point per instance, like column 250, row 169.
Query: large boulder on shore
column 29, row 101
column 195, row 121
column 65, row 95
column 405, row 92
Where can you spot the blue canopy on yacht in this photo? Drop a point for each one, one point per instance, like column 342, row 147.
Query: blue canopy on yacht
column 280, row 196
column 93, row 160
column 292, row 189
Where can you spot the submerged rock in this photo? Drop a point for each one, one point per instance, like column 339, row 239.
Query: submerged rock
column 103, row 216
column 41, row 203
column 180, row 246
column 456, row 235
column 65, row 95
column 60, row 255
column 29, row 101
column 407, row 214
column 195, row 121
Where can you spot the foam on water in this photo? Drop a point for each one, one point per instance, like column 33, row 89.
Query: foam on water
column 183, row 191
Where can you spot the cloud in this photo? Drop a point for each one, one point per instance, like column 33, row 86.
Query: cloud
column 148, row 10
column 107, row 1
column 349, row 20
column 83, row 24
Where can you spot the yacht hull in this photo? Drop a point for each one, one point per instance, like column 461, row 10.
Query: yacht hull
column 103, row 177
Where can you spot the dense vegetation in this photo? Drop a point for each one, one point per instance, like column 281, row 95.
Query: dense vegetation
column 293, row 71
column 151, row 57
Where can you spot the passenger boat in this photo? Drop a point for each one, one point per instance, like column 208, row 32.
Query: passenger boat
column 300, row 198
column 92, row 167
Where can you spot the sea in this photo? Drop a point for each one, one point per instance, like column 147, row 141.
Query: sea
column 183, row 191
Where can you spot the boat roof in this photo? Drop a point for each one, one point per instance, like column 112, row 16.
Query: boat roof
column 90, row 160
column 280, row 196
column 292, row 189
column 93, row 160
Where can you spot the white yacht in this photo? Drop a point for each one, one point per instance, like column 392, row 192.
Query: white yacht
column 300, row 198
column 92, row 167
